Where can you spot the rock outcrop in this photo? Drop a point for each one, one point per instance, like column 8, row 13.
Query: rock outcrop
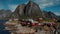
column 19, row 11
column 31, row 10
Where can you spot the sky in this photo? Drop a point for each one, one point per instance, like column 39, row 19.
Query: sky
column 47, row 5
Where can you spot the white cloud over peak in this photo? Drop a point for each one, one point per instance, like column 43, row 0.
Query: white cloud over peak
column 46, row 3
column 12, row 7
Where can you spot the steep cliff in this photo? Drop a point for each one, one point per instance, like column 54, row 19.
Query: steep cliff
column 19, row 12
column 30, row 10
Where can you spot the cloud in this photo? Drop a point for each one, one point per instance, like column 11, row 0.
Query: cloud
column 57, row 13
column 46, row 3
column 12, row 7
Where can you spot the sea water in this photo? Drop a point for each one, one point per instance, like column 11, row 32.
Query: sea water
column 2, row 31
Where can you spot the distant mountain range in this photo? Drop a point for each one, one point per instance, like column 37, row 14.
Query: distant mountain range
column 50, row 15
column 4, row 14
column 30, row 10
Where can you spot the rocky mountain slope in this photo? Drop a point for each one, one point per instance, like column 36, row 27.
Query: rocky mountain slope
column 32, row 10
column 49, row 15
column 29, row 10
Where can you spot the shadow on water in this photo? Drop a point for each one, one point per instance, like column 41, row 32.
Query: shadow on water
column 2, row 27
column 4, row 32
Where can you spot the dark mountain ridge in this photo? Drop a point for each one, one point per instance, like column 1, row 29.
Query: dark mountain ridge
column 29, row 10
